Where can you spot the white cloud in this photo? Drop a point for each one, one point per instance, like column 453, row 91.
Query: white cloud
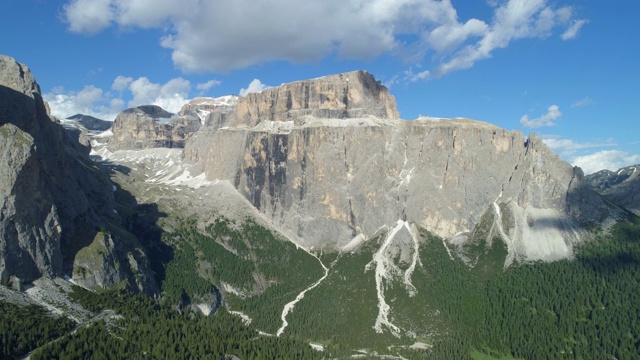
column 220, row 36
column 202, row 87
column 144, row 92
column 572, row 31
column 411, row 77
column 553, row 112
column 170, row 96
column 121, row 83
column 567, row 147
column 89, row 16
column 605, row 159
column 582, row 102
column 255, row 86
column 94, row 101
column 89, row 101
column 514, row 19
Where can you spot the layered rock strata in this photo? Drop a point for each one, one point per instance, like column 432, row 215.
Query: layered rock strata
column 150, row 126
column 334, row 168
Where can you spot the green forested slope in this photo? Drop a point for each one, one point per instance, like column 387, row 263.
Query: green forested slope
column 585, row 308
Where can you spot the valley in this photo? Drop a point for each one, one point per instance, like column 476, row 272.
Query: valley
column 306, row 221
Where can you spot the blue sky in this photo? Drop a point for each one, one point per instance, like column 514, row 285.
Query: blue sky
column 568, row 70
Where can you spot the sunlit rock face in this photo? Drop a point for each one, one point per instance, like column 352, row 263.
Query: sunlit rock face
column 350, row 95
column 150, row 126
column 328, row 159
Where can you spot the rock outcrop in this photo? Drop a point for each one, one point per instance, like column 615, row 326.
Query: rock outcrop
column 328, row 160
column 150, row 126
column 53, row 198
column 350, row 95
column 622, row 187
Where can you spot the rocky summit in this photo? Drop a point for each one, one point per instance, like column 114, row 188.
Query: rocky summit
column 57, row 212
column 150, row 126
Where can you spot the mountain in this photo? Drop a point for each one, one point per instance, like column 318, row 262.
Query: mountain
column 91, row 123
column 150, row 126
column 328, row 161
column 621, row 187
column 57, row 212
column 309, row 219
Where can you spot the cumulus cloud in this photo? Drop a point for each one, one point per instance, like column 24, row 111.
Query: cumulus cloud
column 170, row 96
column 513, row 20
column 219, row 36
column 572, row 31
column 121, row 83
column 202, row 87
column 605, row 159
column 553, row 112
column 94, row 101
column 89, row 101
column 89, row 16
column 255, row 86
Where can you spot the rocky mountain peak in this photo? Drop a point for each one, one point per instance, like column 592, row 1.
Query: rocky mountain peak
column 149, row 126
column 53, row 199
column 349, row 95
column 151, row 111
column 91, row 123
column 204, row 105
column 17, row 76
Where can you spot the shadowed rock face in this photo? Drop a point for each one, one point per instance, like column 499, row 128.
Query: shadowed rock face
column 49, row 189
column 325, row 176
column 151, row 126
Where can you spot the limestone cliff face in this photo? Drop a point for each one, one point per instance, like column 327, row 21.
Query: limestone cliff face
column 326, row 180
column 151, row 126
column 51, row 194
column 349, row 95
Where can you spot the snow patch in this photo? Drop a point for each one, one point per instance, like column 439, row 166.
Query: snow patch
column 202, row 114
column 104, row 134
column 166, row 165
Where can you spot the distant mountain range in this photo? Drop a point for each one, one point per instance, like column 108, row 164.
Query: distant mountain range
column 621, row 187
column 91, row 123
